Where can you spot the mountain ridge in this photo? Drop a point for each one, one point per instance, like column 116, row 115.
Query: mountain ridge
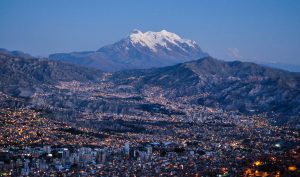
column 31, row 74
column 15, row 53
column 231, row 86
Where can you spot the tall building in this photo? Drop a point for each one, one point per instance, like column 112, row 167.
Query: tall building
column 25, row 170
column 149, row 150
column 126, row 148
column 101, row 156
column 47, row 149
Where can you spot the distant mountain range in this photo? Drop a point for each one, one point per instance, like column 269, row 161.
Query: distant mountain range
column 284, row 66
column 141, row 50
column 15, row 53
column 146, row 66
column 231, row 86
column 137, row 51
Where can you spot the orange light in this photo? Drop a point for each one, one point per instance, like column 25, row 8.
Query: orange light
column 292, row 168
column 258, row 163
column 248, row 171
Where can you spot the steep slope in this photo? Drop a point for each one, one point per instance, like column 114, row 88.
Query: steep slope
column 242, row 86
column 137, row 51
column 237, row 86
column 23, row 76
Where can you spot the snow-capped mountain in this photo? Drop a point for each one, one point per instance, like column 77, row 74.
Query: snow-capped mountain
column 162, row 39
column 137, row 51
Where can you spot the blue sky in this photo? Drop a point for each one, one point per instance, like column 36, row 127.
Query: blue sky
column 260, row 30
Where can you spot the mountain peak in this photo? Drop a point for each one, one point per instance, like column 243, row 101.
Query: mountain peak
column 163, row 38
column 135, row 31
column 138, row 50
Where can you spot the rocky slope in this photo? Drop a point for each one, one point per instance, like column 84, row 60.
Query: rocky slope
column 24, row 76
column 242, row 86
column 175, row 90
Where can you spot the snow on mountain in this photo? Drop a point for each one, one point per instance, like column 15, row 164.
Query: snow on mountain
column 159, row 39
column 139, row 50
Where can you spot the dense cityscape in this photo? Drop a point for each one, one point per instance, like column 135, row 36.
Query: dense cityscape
column 232, row 145
column 124, row 132
column 170, row 88
column 109, row 128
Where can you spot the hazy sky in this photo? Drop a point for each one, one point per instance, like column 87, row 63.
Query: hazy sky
column 261, row 30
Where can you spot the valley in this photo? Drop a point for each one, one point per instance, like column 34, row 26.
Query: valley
column 147, row 108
